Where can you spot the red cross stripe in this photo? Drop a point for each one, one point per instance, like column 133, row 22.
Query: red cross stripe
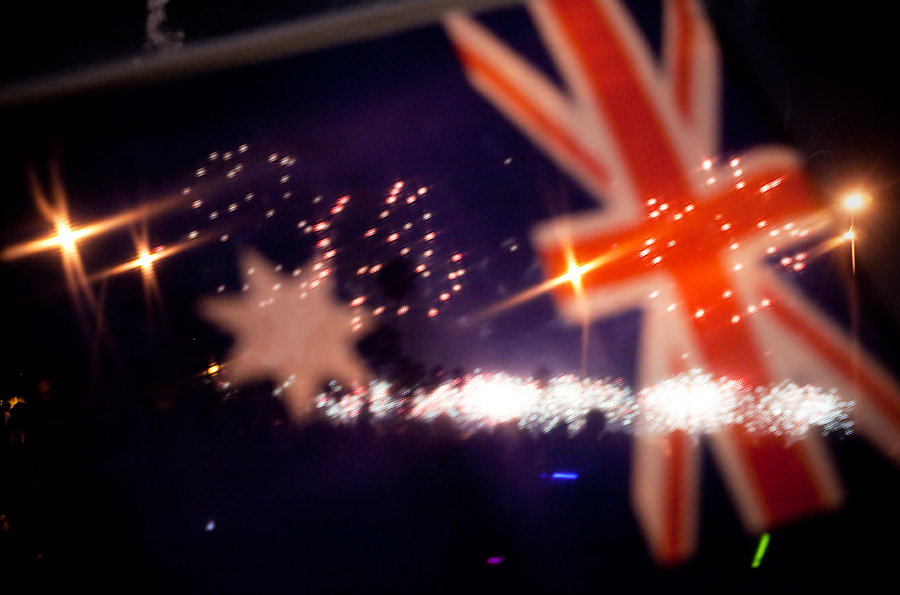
column 685, row 238
column 685, row 241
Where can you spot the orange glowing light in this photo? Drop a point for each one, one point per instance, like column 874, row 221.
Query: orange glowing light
column 67, row 237
column 855, row 201
column 145, row 261
column 573, row 275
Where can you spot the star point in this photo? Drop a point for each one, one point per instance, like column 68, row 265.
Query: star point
column 291, row 331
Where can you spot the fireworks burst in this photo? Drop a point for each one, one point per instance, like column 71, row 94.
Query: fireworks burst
column 694, row 402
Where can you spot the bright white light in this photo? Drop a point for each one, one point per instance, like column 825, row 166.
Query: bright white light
column 854, row 201
column 694, row 402
column 66, row 237
column 499, row 398
column 688, row 402
column 573, row 275
column 145, row 261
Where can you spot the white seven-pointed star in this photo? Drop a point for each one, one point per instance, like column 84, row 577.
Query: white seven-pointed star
column 290, row 330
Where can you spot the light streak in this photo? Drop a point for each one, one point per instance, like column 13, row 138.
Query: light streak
column 573, row 276
column 67, row 237
column 564, row 476
column 760, row 550
column 66, row 240
column 146, row 259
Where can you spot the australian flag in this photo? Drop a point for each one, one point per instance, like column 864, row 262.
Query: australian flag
column 430, row 199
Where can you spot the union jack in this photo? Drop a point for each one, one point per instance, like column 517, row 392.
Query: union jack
column 684, row 235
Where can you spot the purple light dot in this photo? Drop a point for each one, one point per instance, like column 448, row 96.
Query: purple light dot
column 495, row 560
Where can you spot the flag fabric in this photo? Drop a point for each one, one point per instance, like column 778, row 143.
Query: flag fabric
column 684, row 234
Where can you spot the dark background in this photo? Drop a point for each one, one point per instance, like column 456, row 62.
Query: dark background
column 119, row 484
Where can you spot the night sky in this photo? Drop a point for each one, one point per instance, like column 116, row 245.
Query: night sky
column 359, row 118
column 354, row 121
